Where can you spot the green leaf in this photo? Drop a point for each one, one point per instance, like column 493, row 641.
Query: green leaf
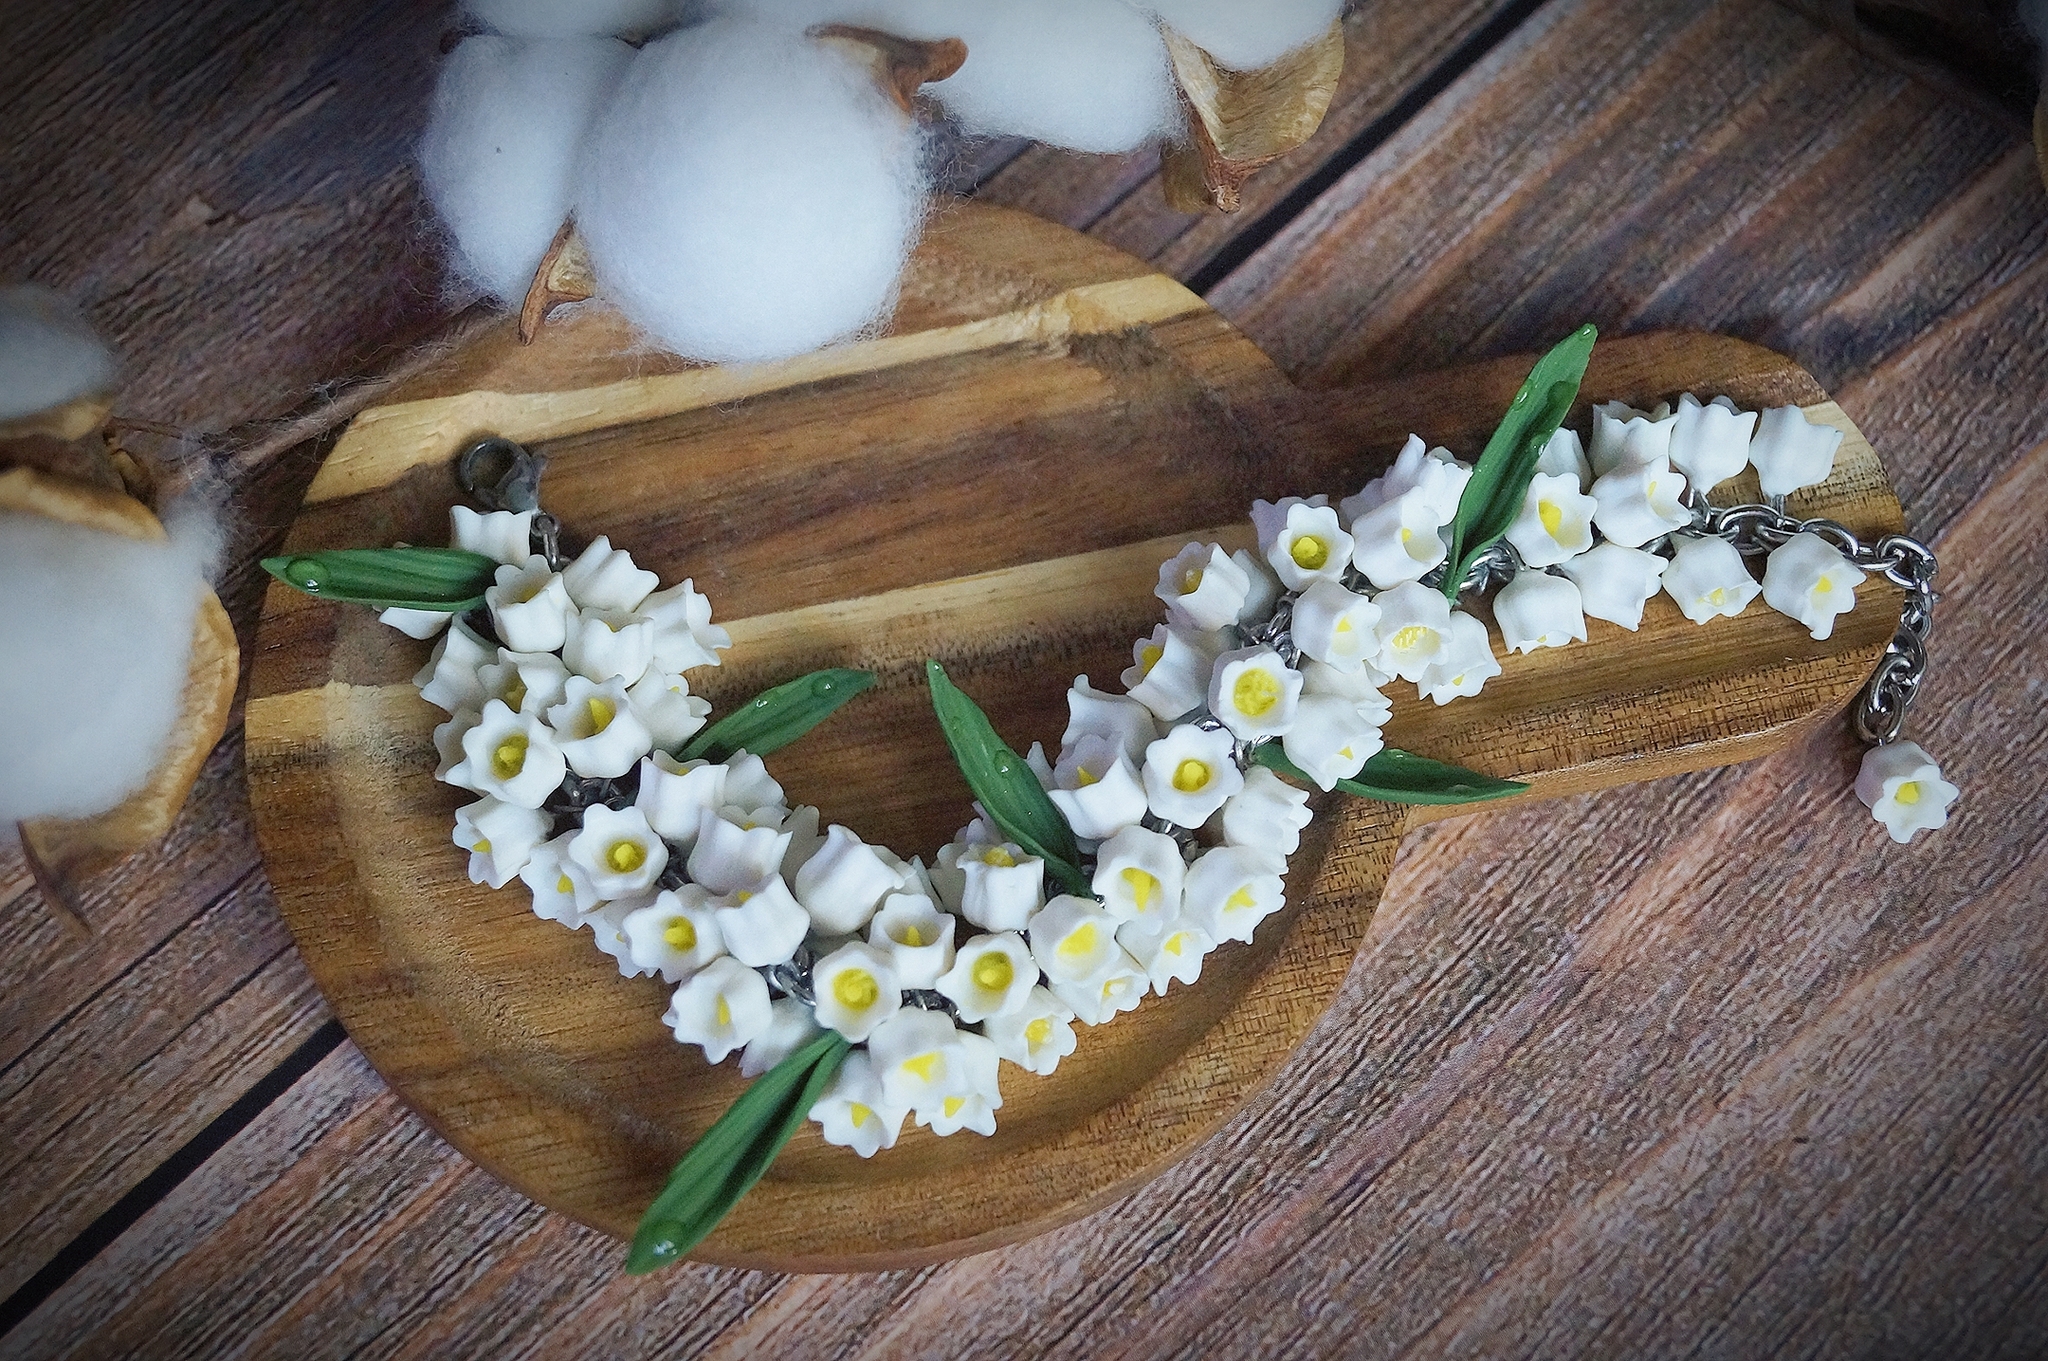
column 447, row 579
column 1493, row 497
column 1397, row 776
column 724, row 1164
column 1004, row 784
column 775, row 718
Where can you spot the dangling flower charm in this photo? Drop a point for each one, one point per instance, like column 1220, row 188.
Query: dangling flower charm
column 1902, row 787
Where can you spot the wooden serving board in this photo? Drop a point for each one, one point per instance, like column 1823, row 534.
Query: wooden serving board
column 994, row 482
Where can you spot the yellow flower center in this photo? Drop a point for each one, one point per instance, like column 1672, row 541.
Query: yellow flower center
column 856, row 989
column 1176, row 944
column 1823, row 586
column 1000, row 858
column 953, row 1105
column 1907, row 793
column 1038, row 1032
column 923, row 1067
column 510, row 757
column 1718, row 596
column 1413, row 637
column 625, row 856
column 681, row 933
column 1142, row 886
column 1080, row 942
column 1190, row 775
column 724, row 1011
column 1241, row 900
column 1309, row 552
column 515, row 694
column 993, row 972
column 1257, row 690
column 1149, row 658
column 911, row 936
column 1552, row 516
column 861, row 1114
column 565, row 885
column 482, row 847
column 601, row 715
column 1191, row 581
column 1083, row 777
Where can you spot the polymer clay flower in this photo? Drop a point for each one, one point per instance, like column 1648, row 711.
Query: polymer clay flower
column 1170, row 673
column 1791, row 452
column 604, row 578
column 852, row 1113
column 1360, row 687
column 1190, row 772
column 917, row 937
column 1708, row 578
column 1556, row 521
column 601, row 736
column 1615, row 582
column 448, row 741
column 919, row 1058
column 1001, row 886
column 684, row 636
column 748, row 783
column 1623, row 435
column 1202, row 587
column 1170, row 952
column 500, row 838
column 1253, row 692
column 1398, row 542
column 1809, row 579
column 1073, row 939
column 1096, row 789
column 1091, row 710
column 1537, row 609
column 1465, row 664
column 530, row 607
column 1413, row 622
column 448, row 681
column 1335, row 626
column 1037, row 1035
column 722, row 1006
column 502, row 534
column 1264, row 591
column 528, row 682
column 991, row 975
column 1710, row 443
column 1331, row 739
column 1565, row 456
column 511, row 757
column 1639, row 502
column 974, row 1107
column 1303, row 541
column 603, row 644
column 844, row 882
column 1902, row 787
column 1266, row 817
column 676, row 934
column 674, row 794
column 1137, row 876
column 805, row 840
column 1229, row 892
column 421, row 624
column 764, row 924
column 561, row 891
column 608, row 931
column 618, row 850
column 1120, row 988
column 856, row 989
column 791, row 1026
column 662, row 700
column 1439, row 478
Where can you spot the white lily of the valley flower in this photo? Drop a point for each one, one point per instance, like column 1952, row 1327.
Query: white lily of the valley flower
column 511, row 757
column 1265, row 818
column 1170, row 952
column 607, row 644
column 1137, row 876
column 856, row 989
column 1565, row 456
column 917, row 937
column 528, row 682
column 1335, row 626
column 1439, row 477
column 1264, row 592
column 974, row 1107
column 684, row 636
column 991, row 975
column 1708, row 578
column 1254, row 692
column 1040, row 767
column 1229, row 892
column 448, row 741
column 1537, row 609
column 618, row 850
column 1202, row 587
column 791, row 1026
column 729, row 855
column 673, row 794
column 1094, row 711
column 1170, row 674
column 852, row 1113
column 1464, row 666
column 1902, row 787
column 1398, row 542
column 561, row 891
column 1615, row 582
column 1001, row 887
column 501, row 534
column 1331, row 739
column 1556, row 521
column 604, row 578
column 662, row 700
column 762, row 925
column 1096, row 789
column 1303, row 541
column 1073, row 939
column 1037, row 1035
column 1190, row 772
column 1413, row 622
column 920, row 1059
column 1360, row 687
column 1809, row 579
column 805, row 840
column 1120, row 988
column 676, row 934
column 844, row 882
column 1710, row 443
column 421, row 624
column 748, row 783
column 608, row 930
column 722, row 1006
column 1640, row 502
column 530, row 607
column 1623, row 435
column 1791, row 452
column 600, row 734
column 448, row 680
column 949, row 881
column 500, row 838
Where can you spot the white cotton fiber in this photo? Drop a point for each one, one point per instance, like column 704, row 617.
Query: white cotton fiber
column 48, row 355
column 750, row 194
column 1247, row 34
column 95, row 639
column 1089, row 75
column 575, row 18
column 510, row 116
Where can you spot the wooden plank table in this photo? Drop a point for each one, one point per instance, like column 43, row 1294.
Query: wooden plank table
column 1704, row 1065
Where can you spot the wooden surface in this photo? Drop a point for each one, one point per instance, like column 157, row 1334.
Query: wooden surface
column 1700, row 1066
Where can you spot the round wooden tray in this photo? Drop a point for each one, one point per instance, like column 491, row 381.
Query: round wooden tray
column 994, row 483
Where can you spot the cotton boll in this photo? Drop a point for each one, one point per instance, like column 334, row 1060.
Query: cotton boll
column 575, row 18
column 1246, row 36
column 750, row 194
column 509, row 118
column 48, row 355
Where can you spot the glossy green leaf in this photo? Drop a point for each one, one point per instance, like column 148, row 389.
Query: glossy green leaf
column 1493, row 496
column 1004, row 784
column 775, row 718
column 1396, row 776
column 724, row 1164
column 447, row 579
